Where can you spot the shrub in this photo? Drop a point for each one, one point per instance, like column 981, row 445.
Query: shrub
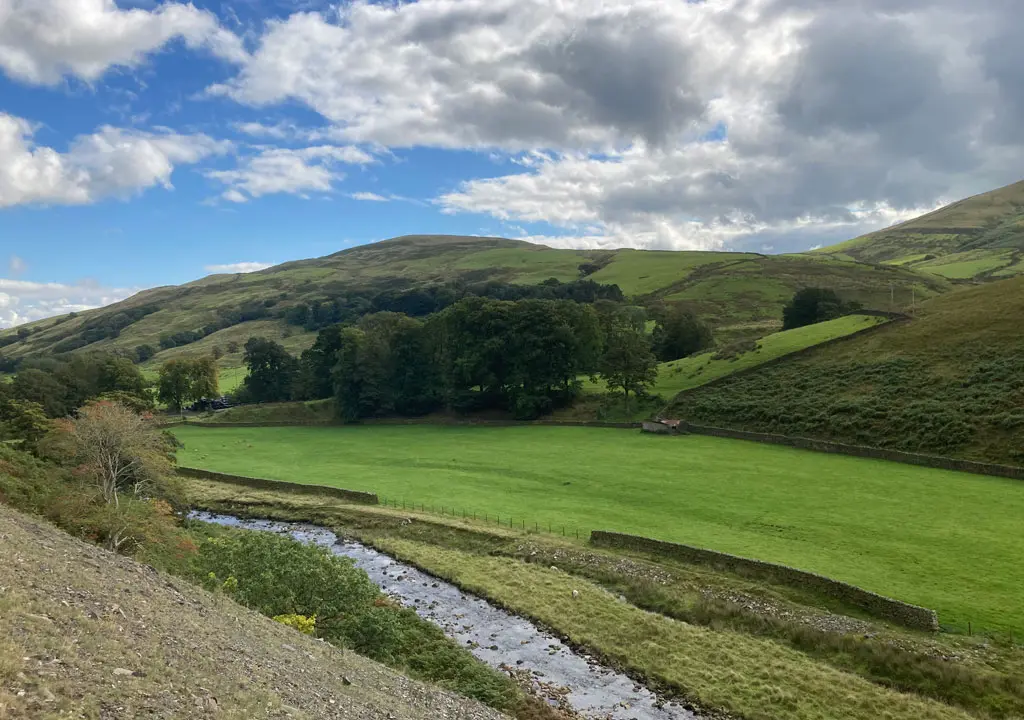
column 305, row 625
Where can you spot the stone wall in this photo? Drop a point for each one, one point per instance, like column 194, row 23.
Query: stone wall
column 279, row 486
column 895, row 611
column 932, row 461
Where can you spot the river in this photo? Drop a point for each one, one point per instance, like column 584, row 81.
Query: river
column 495, row 636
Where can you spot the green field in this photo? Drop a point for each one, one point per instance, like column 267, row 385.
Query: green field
column 678, row 375
column 946, row 540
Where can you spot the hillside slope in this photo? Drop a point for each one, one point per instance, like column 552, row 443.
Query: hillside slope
column 950, row 382
column 86, row 633
column 979, row 237
column 741, row 293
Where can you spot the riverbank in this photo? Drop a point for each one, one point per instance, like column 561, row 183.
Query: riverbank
column 752, row 650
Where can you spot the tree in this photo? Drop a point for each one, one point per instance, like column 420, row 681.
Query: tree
column 627, row 363
column 313, row 381
column 120, row 451
column 186, row 379
column 813, row 305
column 678, row 333
column 272, row 370
column 43, row 388
column 22, row 421
column 351, row 398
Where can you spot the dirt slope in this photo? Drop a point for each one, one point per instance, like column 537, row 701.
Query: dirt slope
column 85, row 633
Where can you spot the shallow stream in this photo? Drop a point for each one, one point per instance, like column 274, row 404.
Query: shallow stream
column 497, row 637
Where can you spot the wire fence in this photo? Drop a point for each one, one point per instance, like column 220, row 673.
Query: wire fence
column 488, row 518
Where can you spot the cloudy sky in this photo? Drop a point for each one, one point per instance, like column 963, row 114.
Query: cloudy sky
column 146, row 143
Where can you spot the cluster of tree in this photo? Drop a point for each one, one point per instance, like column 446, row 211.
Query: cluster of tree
column 525, row 357
column 53, row 388
column 424, row 301
column 107, row 325
column 62, row 385
column 815, row 305
column 184, row 380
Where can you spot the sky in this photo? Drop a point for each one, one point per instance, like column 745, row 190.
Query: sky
column 147, row 143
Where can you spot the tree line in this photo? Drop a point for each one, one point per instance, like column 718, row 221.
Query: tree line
column 525, row 357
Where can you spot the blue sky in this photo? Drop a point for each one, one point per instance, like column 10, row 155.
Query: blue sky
column 153, row 142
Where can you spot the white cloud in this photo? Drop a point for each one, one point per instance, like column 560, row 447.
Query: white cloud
column 672, row 124
column 238, row 267
column 16, row 266
column 369, row 196
column 43, row 40
column 110, row 162
column 292, row 171
column 22, row 301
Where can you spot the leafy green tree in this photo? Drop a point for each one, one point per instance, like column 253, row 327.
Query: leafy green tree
column 22, row 421
column 814, row 305
column 272, row 370
column 350, row 391
column 313, row 380
column 43, row 388
column 144, row 352
column 183, row 380
column 678, row 333
column 627, row 363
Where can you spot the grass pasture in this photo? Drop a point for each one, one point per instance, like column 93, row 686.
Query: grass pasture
column 945, row 540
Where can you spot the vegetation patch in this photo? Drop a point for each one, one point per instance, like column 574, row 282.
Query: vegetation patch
column 948, row 383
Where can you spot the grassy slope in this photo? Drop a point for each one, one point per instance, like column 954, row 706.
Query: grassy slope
column 950, row 382
column 71, row 613
column 945, row 540
column 741, row 293
column 678, row 375
column 980, row 236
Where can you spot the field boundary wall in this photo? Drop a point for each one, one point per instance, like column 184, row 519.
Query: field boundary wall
column 896, row 611
column 356, row 496
column 865, row 451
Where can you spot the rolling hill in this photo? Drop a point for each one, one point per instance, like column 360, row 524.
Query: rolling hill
column 980, row 237
column 742, row 294
column 950, row 382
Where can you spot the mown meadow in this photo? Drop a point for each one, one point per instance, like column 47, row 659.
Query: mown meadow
column 945, row 540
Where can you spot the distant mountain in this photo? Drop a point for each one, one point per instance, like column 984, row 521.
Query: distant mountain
column 741, row 293
column 981, row 237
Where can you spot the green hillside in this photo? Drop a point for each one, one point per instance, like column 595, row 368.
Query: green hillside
column 741, row 294
column 949, row 382
column 979, row 237
column 690, row 372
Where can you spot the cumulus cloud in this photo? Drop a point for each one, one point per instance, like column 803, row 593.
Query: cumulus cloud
column 238, row 267
column 283, row 170
column 680, row 125
column 43, row 40
column 22, row 301
column 110, row 162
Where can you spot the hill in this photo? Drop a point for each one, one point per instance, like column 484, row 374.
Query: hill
column 87, row 633
column 980, row 237
column 741, row 293
column 950, row 382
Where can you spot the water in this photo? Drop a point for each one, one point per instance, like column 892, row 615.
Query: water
column 499, row 638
